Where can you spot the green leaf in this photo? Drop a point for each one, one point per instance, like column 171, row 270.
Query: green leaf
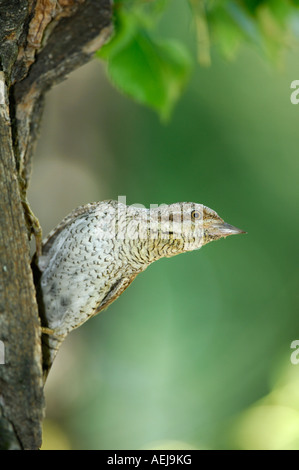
column 125, row 27
column 151, row 71
column 154, row 72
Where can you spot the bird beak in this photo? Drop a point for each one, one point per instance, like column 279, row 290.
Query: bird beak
column 223, row 229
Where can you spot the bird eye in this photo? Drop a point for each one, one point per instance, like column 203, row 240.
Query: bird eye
column 195, row 215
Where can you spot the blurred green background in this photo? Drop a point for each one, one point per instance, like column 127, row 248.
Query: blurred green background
column 196, row 353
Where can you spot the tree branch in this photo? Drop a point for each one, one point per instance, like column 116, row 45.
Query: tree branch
column 41, row 41
column 21, row 395
column 72, row 42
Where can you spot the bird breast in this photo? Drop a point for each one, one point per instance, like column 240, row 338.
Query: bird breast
column 78, row 271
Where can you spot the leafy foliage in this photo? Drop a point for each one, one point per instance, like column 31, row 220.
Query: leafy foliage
column 154, row 72
column 150, row 70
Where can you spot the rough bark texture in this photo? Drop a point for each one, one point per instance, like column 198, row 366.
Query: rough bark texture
column 21, row 398
column 41, row 41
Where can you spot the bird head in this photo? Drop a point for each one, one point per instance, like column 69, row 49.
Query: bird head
column 187, row 226
column 168, row 230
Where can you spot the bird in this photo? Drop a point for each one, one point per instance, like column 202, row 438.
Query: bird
column 96, row 252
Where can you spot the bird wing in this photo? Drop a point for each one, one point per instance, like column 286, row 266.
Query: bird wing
column 115, row 291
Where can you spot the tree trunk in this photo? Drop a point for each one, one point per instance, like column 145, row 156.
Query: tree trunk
column 41, row 41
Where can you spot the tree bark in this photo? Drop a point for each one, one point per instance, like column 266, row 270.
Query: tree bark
column 41, row 41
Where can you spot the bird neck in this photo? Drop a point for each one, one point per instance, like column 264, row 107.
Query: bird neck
column 144, row 251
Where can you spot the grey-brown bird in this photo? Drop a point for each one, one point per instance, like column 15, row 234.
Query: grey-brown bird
column 95, row 253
